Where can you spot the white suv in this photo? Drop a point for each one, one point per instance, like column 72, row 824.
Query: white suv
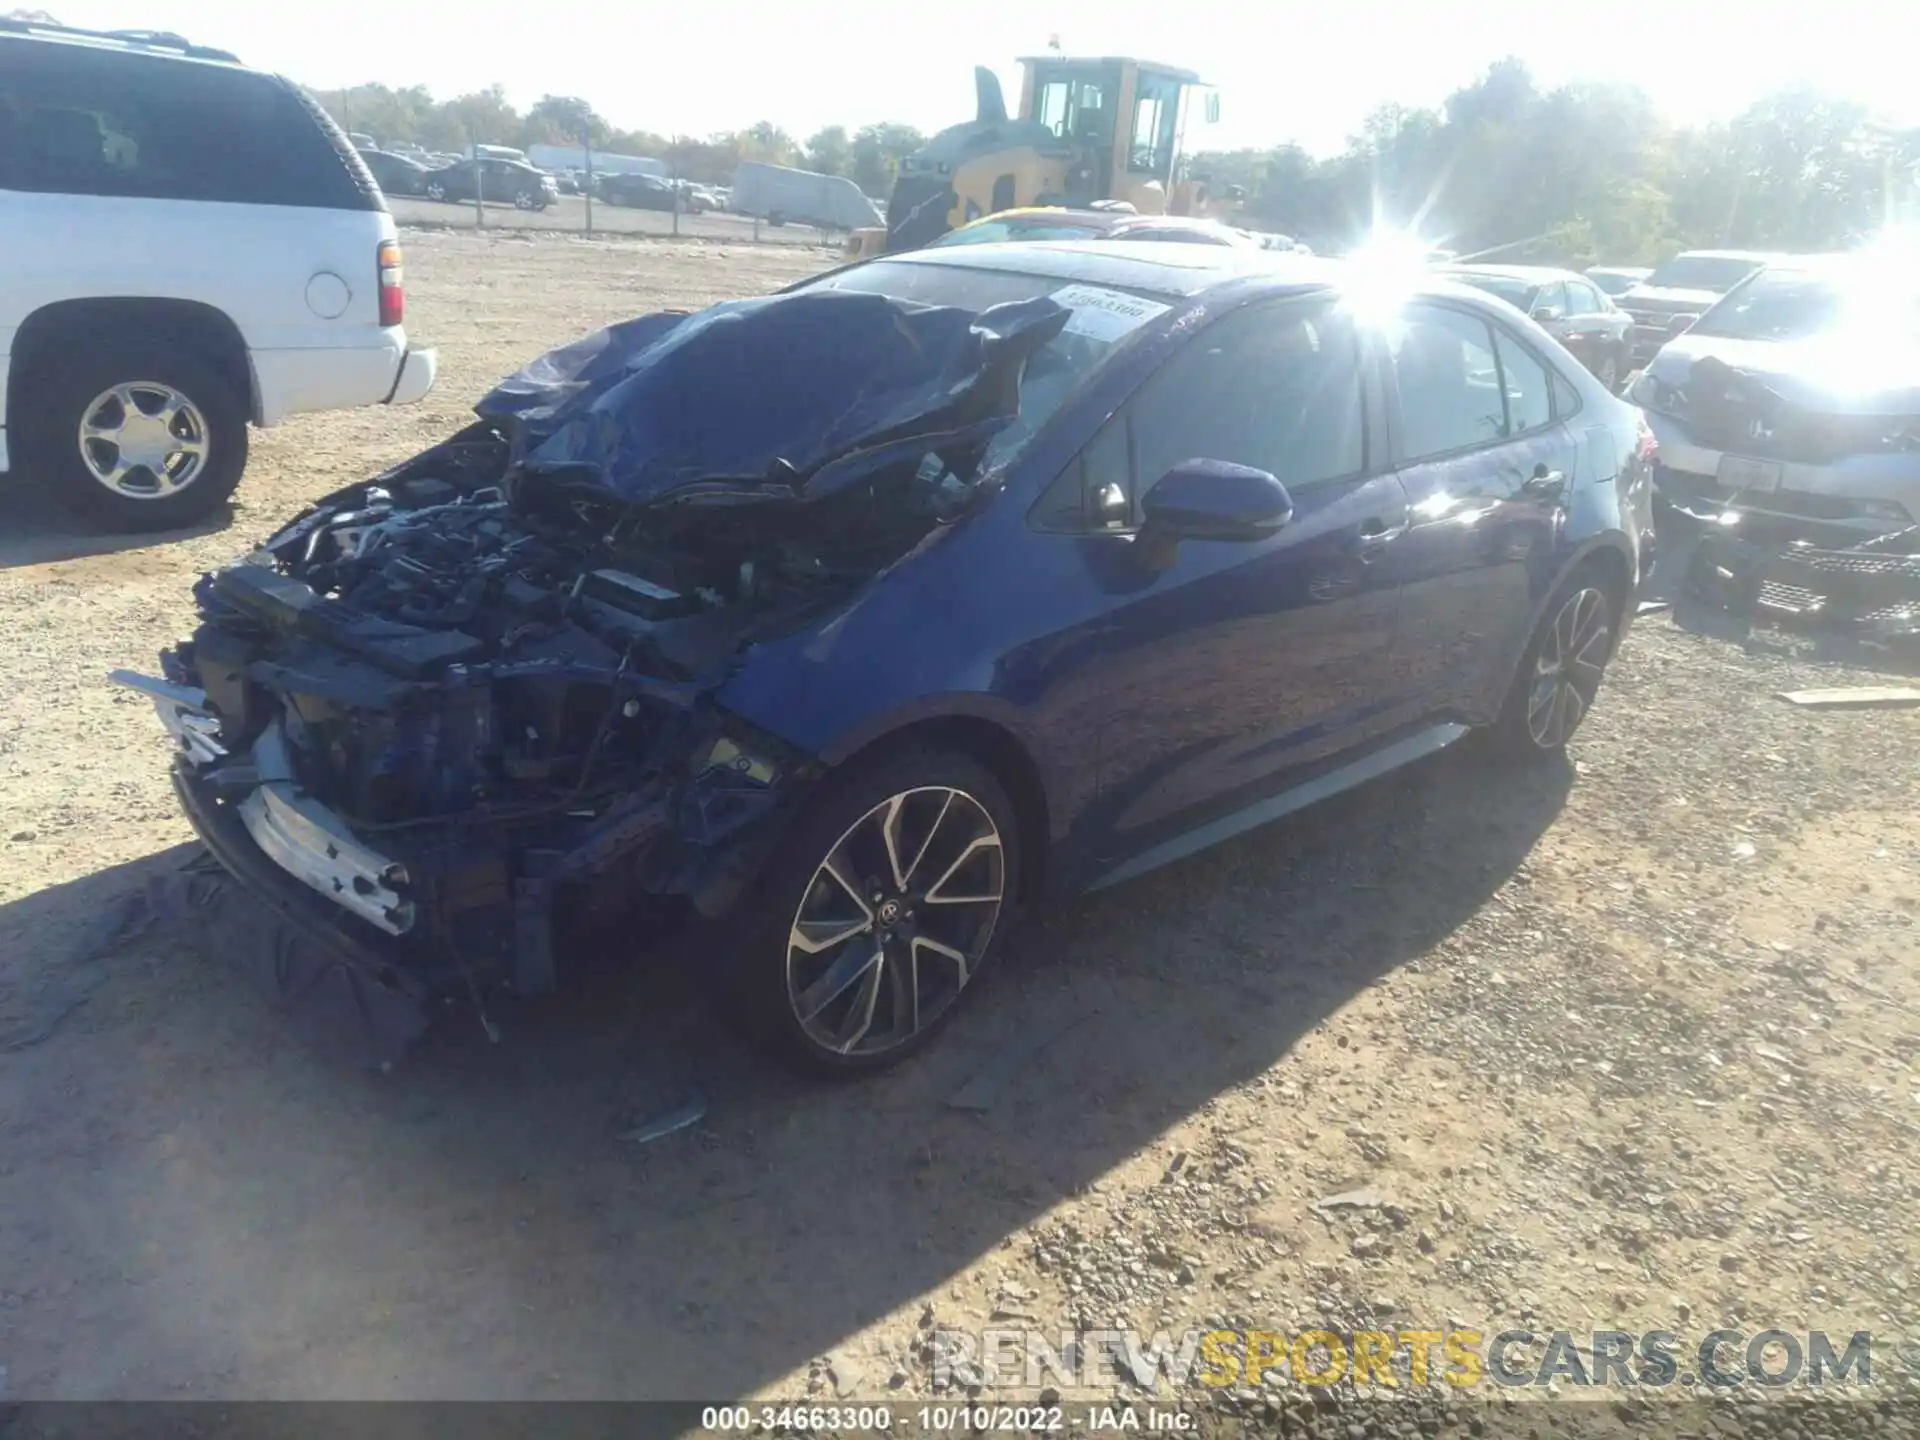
column 186, row 245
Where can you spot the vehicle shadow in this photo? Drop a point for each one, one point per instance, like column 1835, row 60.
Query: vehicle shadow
column 204, row 1208
column 36, row 531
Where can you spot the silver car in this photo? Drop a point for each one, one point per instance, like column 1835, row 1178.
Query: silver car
column 1797, row 396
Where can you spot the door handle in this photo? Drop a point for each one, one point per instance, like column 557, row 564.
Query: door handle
column 1374, row 537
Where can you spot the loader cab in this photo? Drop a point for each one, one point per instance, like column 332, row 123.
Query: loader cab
column 1088, row 131
column 1123, row 120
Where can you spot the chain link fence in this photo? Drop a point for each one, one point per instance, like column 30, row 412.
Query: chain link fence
column 570, row 215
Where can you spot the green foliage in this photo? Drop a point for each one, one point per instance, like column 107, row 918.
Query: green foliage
column 1586, row 174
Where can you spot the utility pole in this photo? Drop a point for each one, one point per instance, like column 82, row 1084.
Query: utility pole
column 673, row 166
column 479, row 180
column 586, row 141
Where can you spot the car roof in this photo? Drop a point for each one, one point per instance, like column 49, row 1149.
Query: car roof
column 1757, row 256
column 1532, row 274
column 160, row 44
column 1166, row 267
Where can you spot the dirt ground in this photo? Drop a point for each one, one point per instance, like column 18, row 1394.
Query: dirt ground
column 1628, row 1045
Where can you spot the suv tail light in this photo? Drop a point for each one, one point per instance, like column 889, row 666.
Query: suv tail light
column 393, row 294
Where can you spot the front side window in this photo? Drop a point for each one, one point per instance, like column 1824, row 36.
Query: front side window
column 1550, row 297
column 1275, row 389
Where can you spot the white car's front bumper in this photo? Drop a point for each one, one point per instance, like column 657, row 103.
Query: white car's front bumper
column 1845, row 501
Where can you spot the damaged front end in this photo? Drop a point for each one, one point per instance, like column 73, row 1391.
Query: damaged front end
column 478, row 697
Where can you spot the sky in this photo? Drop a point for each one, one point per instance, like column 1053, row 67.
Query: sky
column 1307, row 75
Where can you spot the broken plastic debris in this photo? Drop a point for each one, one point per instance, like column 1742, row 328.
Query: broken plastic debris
column 669, row 1122
column 1858, row 697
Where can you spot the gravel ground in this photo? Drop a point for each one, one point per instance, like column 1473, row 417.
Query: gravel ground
column 1631, row 1044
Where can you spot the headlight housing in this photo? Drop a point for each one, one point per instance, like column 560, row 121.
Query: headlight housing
column 1650, row 392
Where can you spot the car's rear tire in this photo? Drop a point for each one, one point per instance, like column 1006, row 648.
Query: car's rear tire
column 1560, row 673
column 840, row 982
column 137, row 435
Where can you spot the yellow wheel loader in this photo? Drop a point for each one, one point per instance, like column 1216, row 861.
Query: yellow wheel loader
column 1090, row 130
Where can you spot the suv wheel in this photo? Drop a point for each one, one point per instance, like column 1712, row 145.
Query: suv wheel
column 878, row 913
column 436, row 190
column 139, row 436
column 1561, row 671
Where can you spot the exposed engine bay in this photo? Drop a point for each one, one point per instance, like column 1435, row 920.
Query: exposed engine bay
column 448, row 697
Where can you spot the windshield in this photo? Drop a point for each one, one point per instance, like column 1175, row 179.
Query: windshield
column 1802, row 304
column 1613, row 283
column 1718, row 273
column 1517, row 293
column 1103, row 317
column 988, row 232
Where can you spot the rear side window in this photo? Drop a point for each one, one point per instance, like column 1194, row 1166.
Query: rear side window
column 82, row 120
column 1449, row 382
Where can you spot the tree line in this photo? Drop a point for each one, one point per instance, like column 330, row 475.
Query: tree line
column 868, row 155
column 1581, row 174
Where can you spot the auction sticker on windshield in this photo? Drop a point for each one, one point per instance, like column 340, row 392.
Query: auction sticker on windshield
column 1107, row 315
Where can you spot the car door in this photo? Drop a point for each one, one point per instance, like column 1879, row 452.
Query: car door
column 1486, row 455
column 1549, row 311
column 1241, row 661
column 1590, row 334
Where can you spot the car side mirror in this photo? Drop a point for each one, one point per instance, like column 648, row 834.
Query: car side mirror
column 1215, row 500
column 1547, row 314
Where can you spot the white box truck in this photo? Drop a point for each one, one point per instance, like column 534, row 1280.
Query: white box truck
column 777, row 194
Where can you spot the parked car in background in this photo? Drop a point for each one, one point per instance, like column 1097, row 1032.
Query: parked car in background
column 396, row 174
column 508, row 182
column 1060, row 223
column 187, row 246
column 1797, row 396
column 857, row 617
column 363, row 143
column 643, row 192
column 1615, row 280
column 1680, row 291
column 1567, row 307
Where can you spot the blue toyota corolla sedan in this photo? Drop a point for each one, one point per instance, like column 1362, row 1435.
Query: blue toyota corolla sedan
column 849, row 620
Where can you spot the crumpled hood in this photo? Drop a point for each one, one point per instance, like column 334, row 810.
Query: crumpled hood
column 773, row 398
column 1829, row 375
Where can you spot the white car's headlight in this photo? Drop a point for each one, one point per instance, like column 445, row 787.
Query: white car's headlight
column 1651, row 393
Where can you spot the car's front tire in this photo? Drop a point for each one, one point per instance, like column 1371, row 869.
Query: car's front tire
column 138, row 435
column 1560, row 673
column 526, row 200
column 436, row 192
column 879, row 912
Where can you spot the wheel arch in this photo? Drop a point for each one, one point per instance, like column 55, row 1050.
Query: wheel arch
column 72, row 326
column 994, row 745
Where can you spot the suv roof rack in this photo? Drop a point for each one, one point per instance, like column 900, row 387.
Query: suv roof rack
column 141, row 39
